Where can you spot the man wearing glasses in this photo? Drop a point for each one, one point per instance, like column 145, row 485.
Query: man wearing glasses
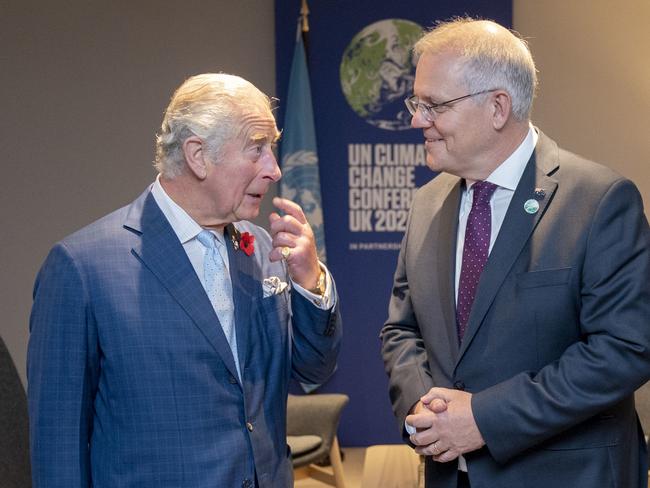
column 518, row 326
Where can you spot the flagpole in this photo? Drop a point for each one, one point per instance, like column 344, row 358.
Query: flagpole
column 303, row 26
column 298, row 149
column 304, row 14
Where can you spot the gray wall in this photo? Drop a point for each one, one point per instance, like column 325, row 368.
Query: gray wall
column 594, row 96
column 84, row 84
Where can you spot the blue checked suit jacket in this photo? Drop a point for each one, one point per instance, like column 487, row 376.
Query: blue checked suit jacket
column 131, row 379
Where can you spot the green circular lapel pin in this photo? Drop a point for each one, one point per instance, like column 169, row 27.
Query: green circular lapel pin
column 531, row 206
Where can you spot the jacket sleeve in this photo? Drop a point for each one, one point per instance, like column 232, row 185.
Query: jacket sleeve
column 315, row 338
column 611, row 360
column 403, row 351
column 62, row 368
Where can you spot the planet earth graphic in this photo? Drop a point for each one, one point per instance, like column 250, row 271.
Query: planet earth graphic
column 377, row 72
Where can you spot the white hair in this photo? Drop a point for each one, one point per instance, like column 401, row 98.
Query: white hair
column 492, row 57
column 209, row 106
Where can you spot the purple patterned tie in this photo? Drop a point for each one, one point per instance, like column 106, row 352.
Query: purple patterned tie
column 475, row 251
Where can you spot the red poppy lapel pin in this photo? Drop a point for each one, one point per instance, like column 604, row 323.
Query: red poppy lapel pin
column 242, row 240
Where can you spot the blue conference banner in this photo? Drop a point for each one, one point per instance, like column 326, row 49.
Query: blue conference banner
column 370, row 163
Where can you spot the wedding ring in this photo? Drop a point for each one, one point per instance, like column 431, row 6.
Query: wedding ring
column 435, row 448
column 286, row 252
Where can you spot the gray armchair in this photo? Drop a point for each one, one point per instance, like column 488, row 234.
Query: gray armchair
column 312, row 421
column 14, row 426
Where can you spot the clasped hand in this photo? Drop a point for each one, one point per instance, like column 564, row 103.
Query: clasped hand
column 445, row 425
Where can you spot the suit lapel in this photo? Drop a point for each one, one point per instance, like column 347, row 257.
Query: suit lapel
column 244, row 287
column 430, row 257
column 446, row 260
column 162, row 253
column 517, row 227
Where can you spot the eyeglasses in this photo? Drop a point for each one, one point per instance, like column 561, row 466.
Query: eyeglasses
column 432, row 110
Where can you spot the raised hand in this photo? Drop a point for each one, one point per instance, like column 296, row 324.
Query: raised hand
column 293, row 241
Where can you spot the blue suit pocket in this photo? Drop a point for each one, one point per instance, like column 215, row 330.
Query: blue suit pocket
column 274, row 304
column 271, row 316
column 545, row 277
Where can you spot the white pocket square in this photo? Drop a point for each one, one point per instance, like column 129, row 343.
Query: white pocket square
column 273, row 286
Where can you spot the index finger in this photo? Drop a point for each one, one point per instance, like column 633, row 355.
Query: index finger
column 291, row 208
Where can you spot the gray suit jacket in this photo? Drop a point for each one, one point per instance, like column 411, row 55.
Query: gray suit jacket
column 559, row 334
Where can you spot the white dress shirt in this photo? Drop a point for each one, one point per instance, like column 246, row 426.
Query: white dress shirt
column 187, row 229
column 506, row 176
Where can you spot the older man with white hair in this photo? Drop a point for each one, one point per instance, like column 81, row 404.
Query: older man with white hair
column 164, row 335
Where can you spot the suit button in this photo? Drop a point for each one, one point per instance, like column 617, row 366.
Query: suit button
column 249, row 426
column 232, row 380
column 459, row 385
column 247, row 483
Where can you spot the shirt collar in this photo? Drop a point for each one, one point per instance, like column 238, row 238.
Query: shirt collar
column 184, row 226
column 508, row 173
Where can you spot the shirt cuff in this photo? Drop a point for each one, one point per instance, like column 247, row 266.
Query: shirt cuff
column 410, row 430
column 462, row 462
column 328, row 299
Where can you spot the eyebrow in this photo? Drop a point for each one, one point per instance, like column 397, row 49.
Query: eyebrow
column 259, row 137
column 262, row 138
column 428, row 99
column 431, row 98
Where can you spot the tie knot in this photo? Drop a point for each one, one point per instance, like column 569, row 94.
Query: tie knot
column 483, row 191
column 207, row 238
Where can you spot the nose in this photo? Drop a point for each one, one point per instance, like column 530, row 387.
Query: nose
column 271, row 167
column 418, row 121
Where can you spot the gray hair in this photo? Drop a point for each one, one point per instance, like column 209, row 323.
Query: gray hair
column 209, row 106
column 492, row 57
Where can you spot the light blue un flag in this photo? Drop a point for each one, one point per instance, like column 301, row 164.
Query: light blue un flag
column 298, row 155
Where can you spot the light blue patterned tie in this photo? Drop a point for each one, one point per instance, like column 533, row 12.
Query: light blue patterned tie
column 219, row 289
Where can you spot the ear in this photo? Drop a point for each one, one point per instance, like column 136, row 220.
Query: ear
column 194, row 151
column 502, row 107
